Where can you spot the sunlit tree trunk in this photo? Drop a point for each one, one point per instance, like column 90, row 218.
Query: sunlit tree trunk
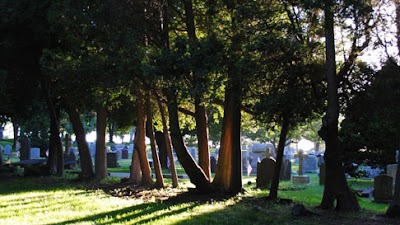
column 200, row 109
column 228, row 175
column 151, row 135
column 168, row 144
column 101, row 155
column 135, row 170
column 336, row 188
column 141, row 138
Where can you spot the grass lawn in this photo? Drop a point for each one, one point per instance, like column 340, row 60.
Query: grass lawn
column 54, row 200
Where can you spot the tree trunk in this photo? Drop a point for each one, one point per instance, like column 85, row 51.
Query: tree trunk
column 162, row 149
column 101, row 155
column 135, row 170
column 56, row 166
column 85, row 158
column 151, row 135
column 273, row 193
column 200, row 109
column 56, row 154
column 168, row 145
column 15, row 132
column 228, row 175
column 141, row 139
column 336, row 187
column 195, row 173
column 111, row 131
column 394, row 206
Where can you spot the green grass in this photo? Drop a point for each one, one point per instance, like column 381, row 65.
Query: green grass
column 65, row 201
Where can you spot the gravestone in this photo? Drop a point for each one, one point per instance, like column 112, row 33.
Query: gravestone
column 119, row 154
column 125, row 153
column 25, row 150
column 7, row 150
column 34, row 153
column 112, row 160
column 265, row 172
column 213, row 164
column 300, row 178
column 310, row 164
column 383, row 189
column 286, row 170
column 70, row 158
column 130, row 149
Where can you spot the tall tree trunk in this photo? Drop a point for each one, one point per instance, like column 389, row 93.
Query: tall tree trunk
column 336, row 188
column 200, row 109
column 85, row 158
column 135, row 170
column 273, row 193
column 56, row 156
column 394, row 206
column 111, row 131
column 162, row 149
column 229, row 168
column 15, row 132
column 151, row 135
column 168, row 144
column 141, row 139
column 228, row 175
column 101, row 155
column 195, row 173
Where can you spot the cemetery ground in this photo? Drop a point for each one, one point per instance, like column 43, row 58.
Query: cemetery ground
column 54, row 200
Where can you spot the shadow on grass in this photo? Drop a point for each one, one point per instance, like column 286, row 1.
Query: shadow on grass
column 128, row 214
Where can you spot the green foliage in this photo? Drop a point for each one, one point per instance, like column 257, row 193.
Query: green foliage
column 368, row 134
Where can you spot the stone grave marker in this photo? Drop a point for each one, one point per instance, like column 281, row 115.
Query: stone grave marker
column 300, row 178
column 213, row 164
column 125, row 153
column 25, row 150
column 92, row 150
column 265, row 172
column 70, row 158
column 383, row 188
column 7, row 150
column 310, row 164
column 119, row 154
column 112, row 160
column 286, row 170
column 34, row 153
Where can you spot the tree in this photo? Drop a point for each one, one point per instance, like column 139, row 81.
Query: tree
column 336, row 187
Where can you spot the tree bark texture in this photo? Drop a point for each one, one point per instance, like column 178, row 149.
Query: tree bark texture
column 336, row 187
column 195, row 173
column 150, row 133
column 162, row 149
column 141, row 139
column 168, row 144
column 200, row 109
column 228, row 176
column 85, row 158
column 135, row 170
column 273, row 193
column 101, row 155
